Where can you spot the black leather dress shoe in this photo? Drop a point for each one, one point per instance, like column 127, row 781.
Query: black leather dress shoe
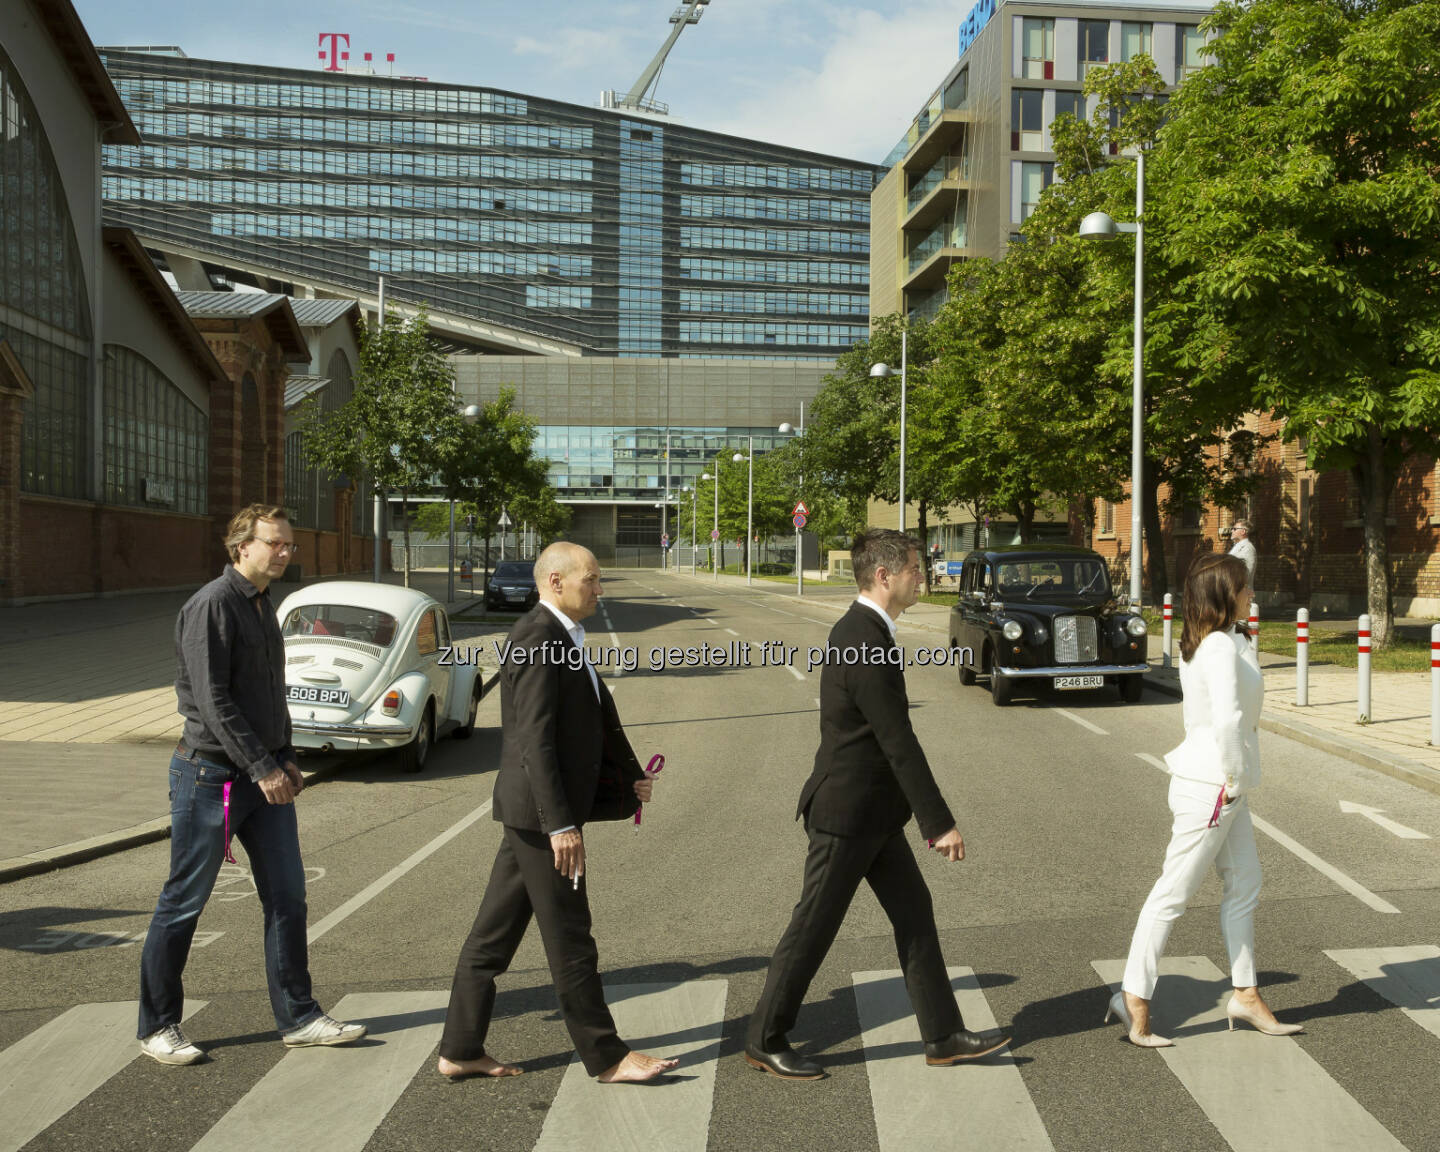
column 960, row 1046
column 783, row 1063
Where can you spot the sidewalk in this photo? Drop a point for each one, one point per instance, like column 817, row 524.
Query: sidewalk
column 1396, row 742
column 87, row 720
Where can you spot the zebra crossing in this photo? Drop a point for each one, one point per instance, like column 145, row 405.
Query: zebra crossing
column 1261, row 1094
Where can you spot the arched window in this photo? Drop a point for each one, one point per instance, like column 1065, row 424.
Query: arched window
column 44, row 310
column 156, row 440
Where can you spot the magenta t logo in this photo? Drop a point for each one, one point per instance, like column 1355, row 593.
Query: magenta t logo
column 336, row 54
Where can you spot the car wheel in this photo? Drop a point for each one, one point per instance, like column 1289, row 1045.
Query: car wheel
column 467, row 726
column 414, row 754
column 1000, row 688
column 1131, row 688
column 967, row 669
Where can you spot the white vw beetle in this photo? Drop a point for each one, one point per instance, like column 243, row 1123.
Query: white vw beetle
column 371, row 666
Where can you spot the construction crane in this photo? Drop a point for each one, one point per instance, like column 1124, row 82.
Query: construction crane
column 636, row 100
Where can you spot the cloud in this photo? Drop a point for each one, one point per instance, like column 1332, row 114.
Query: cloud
column 875, row 72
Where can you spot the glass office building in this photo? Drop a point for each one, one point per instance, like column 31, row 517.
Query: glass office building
column 533, row 225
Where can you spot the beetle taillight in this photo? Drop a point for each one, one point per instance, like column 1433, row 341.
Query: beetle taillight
column 390, row 705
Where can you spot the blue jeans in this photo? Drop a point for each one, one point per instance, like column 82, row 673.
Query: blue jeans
column 271, row 840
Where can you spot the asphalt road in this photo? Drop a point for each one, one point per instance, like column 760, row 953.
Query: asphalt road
column 1065, row 826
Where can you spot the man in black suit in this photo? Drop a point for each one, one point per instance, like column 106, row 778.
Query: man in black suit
column 564, row 760
column 870, row 775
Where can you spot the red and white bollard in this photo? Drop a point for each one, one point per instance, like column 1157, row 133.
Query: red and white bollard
column 1362, row 643
column 1302, row 658
column 1255, row 624
column 1435, row 684
column 1169, row 608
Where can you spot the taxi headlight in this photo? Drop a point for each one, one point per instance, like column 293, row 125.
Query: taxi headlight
column 1135, row 626
column 1013, row 630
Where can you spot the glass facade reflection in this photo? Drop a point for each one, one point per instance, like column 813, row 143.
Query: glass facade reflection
column 44, row 312
column 589, row 463
column 573, row 223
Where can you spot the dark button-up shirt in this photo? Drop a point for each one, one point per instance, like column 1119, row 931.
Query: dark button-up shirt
column 230, row 678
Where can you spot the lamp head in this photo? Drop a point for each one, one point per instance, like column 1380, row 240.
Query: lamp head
column 471, row 413
column 787, row 428
column 738, row 457
column 1100, row 225
column 706, row 476
column 881, row 371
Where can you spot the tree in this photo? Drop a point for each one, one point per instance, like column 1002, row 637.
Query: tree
column 1299, row 177
column 401, row 420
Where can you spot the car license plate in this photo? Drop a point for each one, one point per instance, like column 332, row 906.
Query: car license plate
column 306, row 694
column 1079, row 681
column 516, row 596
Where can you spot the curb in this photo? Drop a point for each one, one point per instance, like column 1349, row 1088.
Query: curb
column 1398, row 767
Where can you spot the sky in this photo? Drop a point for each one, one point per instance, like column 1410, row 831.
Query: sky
column 838, row 77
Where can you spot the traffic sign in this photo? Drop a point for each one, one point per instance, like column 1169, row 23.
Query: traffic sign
column 952, row 567
column 798, row 520
column 800, row 509
column 714, row 534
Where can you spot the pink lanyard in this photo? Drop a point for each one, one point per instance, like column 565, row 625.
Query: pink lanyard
column 652, row 770
column 229, row 855
column 1219, row 804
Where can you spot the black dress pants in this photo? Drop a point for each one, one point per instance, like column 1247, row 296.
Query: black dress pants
column 834, row 867
column 524, row 882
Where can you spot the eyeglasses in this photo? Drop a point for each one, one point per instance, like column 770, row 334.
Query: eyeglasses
column 280, row 547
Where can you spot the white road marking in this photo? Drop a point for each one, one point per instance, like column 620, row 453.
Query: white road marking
column 1373, row 814
column 817, row 701
column 45, row 1074
column 1329, row 871
column 732, row 632
column 682, row 1020
column 795, row 672
column 1359, row 891
column 368, row 893
column 1260, row 1092
column 1081, row 721
column 917, row 1106
column 337, row 1097
column 1409, row 977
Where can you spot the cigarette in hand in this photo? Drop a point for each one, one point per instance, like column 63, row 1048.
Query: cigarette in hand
column 575, row 881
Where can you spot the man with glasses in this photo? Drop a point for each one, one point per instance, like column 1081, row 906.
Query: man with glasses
column 234, row 772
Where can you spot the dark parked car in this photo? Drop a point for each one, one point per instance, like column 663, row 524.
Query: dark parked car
column 512, row 585
column 1045, row 615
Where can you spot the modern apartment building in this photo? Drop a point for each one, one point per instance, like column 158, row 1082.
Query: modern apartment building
column 528, row 226
column 972, row 164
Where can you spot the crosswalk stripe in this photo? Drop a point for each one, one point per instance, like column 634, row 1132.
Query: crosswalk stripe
column 1260, row 1092
column 45, row 1074
column 1408, row 977
column 917, row 1106
column 337, row 1097
column 683, row 1020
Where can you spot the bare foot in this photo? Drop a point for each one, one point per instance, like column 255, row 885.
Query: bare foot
column 1140, row 1034
column 480, row 1066
column 636, row 1068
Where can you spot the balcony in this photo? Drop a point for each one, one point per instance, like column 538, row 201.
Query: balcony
column 929, row 261
column 944, row 134
column 936, row 196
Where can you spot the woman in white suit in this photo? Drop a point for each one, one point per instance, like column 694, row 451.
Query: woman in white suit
column 1212, row 772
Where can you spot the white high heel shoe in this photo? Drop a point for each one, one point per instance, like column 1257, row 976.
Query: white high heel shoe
column 1149, row 1040
column 1234, row 1011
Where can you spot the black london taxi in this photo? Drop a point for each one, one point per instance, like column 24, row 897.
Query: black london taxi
column 1045, row 616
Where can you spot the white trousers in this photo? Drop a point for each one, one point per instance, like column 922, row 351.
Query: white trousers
column 1194, row 846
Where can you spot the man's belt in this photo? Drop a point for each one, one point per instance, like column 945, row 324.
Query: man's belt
column 215, row 757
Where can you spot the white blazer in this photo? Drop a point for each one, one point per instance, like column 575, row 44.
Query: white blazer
column 1223, row 693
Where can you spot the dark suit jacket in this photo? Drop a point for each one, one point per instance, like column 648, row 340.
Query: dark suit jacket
column 870, row 772
column 564, row 756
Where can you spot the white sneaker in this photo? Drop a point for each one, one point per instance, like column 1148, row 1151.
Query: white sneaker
column 323, row 1031
column 169, row 1046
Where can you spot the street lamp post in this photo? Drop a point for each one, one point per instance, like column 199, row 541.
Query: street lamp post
column 749, row 505
column 691, row 490
column 715, row 527
column 786, row 428
column 881, row 371
column 469, row 415
column 1102, row 226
